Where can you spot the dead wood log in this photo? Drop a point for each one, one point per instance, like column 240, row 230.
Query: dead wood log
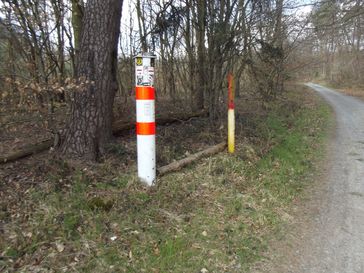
column 177, row 165
column 119, row 127
column 27, row 151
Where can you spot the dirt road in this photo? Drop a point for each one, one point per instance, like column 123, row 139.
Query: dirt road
column 329, row 232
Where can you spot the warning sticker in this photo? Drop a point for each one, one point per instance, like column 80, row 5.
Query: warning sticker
column 139, row 76
column 151, row 75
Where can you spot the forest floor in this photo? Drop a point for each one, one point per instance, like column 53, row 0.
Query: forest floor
column 22, row 125
column 215, row 216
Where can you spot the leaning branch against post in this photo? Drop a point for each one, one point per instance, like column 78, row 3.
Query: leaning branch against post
column 177, row 165
column 119, row 127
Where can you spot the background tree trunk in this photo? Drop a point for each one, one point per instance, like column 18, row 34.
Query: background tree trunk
column 77, row 15
column 201, row 56
column 89, row 128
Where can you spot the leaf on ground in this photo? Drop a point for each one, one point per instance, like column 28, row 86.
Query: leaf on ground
column 59, row 246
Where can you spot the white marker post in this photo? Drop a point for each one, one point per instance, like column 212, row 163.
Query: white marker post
column 145, row 117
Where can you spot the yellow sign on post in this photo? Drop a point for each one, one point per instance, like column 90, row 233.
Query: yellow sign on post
column 231, row 114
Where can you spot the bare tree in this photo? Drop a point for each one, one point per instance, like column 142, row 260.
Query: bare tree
column 89, row 127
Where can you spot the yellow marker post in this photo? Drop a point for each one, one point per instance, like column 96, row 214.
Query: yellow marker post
column 231, row 114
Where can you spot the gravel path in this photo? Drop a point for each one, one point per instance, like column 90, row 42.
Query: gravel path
column 338, row 243
column 328, row 236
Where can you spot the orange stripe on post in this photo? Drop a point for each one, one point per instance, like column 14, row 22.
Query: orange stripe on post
column 144, row 93
column 145, row 128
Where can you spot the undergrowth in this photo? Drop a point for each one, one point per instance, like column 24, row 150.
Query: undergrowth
column 215, row 216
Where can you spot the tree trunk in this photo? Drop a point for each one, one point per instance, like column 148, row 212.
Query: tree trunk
column 89, row 128
column 201, row 54
column 77, row 16
column 278, row 43
column 141, row 24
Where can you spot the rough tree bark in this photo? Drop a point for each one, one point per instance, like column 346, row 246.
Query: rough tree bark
column 90, row 125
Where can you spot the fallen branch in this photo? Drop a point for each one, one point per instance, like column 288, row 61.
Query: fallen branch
column 177, row 165
column 27, row 150
column 119, row 127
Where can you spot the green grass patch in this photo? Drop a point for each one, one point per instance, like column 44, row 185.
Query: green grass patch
column 218, row 214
